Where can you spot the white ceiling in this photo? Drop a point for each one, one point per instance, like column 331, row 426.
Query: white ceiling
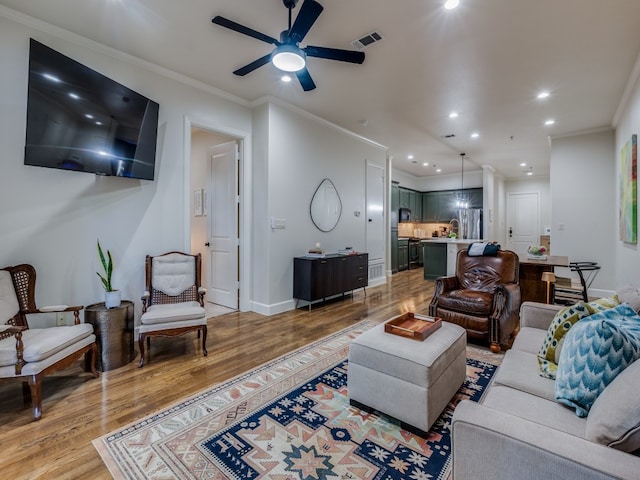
column 487, row 60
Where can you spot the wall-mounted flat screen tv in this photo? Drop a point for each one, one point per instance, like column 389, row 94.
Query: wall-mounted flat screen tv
column 78, row 119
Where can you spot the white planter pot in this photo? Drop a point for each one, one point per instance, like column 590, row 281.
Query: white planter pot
column 112, row 299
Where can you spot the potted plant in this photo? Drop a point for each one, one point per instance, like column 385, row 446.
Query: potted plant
column 111, row 296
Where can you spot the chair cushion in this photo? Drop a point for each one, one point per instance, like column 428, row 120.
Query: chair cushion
column 472, row 301
column 595, row 351
column 614, row 418
column 41, row 343
column 172, row 312
column 9, row 306
column 173, row 273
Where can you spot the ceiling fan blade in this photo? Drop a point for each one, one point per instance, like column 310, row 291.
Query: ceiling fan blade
column 351, row 56
column 309, row 13
column 305, row 80
column 225, row 22
column 253, row 65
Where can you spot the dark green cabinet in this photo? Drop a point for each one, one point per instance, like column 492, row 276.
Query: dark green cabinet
column 405, row 198
column 441, row 206
column 435, row 260
column 403, row 254
column 394, row 251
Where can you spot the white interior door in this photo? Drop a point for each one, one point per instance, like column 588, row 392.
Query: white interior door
column 223, row 206
column 523, row 221
column 375, row 212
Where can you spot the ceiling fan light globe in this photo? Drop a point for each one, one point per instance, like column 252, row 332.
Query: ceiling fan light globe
column 288, row 58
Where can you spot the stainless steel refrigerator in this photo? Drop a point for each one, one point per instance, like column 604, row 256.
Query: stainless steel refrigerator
column 470, row 223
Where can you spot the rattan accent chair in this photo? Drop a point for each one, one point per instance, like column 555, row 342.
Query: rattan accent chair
column 173, row 303
column 27, row 355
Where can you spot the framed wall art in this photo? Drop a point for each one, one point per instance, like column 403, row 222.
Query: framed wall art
column 629, row 191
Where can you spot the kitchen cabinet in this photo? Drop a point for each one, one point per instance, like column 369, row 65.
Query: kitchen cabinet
column 435, row 260
column 394, row 250
column 395, row 204
column 416, row 206
column 403, row 254
column 404, row 197
column 440, row 207
column 319, row 278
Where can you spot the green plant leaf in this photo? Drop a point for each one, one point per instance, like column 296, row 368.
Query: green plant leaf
column 107, row 266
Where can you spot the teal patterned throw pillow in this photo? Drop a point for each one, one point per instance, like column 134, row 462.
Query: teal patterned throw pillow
column 595, row 350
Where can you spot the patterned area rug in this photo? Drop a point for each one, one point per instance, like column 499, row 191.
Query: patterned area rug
column 289, row 419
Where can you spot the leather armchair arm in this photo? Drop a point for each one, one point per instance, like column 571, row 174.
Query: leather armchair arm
column 443, row 285
column 504, row 314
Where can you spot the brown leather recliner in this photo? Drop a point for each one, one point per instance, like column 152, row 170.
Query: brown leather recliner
column 483, row 297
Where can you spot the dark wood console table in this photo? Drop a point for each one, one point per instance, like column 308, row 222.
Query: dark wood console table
column 532, row 288
column 334, row 274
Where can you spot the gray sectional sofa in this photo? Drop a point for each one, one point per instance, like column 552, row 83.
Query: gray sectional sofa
column 518, row 430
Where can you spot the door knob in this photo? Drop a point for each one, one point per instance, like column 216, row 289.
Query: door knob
column 207, row 244
column 371, row 220
column 510, row 232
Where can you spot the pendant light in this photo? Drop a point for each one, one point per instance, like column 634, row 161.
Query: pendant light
column 462, row 200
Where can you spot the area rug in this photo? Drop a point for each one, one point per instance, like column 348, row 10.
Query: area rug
column 289, row 419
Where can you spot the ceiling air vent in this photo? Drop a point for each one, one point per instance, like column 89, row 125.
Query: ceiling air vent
column 367, row 40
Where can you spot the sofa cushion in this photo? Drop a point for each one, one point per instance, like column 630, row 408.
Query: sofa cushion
column 595, row 351
column 519, row 370
column 529, row 340
column 535, row 409
column 631, row 295
column 614, row 418
column 564, row 319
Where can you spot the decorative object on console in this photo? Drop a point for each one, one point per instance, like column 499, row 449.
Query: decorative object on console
column 537, row 252
column 548, row 278
column 111, row 295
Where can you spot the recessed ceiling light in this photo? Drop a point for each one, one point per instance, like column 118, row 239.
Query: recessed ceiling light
column 438, row 170
column 529, row 173
column 523, row 164
column 285, row 78
column 410, row 157
column 453, row 115
column 551, row 121
column 543, row 94
column 451, row 4
column 475, row 135
column 425, row 164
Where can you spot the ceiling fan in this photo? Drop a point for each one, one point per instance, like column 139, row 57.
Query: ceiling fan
column 288, row 55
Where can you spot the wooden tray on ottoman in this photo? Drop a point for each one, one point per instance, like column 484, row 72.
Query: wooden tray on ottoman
column 410, row 325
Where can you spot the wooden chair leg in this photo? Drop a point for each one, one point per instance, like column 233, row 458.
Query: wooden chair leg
column 204, row 340
column 494, row 347
column 141, row 338
column 90, row 360
column 35, row 386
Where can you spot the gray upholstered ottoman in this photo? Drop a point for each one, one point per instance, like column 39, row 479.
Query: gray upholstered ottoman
column 409, row 380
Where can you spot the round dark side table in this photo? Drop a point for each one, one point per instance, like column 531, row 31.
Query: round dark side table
column 114, row 333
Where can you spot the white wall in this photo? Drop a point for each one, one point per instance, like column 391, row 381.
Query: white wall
column 302, row 151
column 584, row 203
column 626, row 256
column 52, row 218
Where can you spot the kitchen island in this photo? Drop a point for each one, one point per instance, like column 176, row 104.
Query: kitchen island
column 440, row 254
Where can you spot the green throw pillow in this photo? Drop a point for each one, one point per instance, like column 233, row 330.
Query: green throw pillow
column 549, row 352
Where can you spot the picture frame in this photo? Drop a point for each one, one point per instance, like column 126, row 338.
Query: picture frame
column 198, row 209
column 628, row 221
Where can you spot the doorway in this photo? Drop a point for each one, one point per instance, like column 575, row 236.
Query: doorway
column 214, row 180
column 523, row 221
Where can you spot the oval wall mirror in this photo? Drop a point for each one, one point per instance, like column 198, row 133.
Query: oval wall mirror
column 326, row 206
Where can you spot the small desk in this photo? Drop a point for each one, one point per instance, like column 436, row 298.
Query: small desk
column 114, row 333
column 532, row 288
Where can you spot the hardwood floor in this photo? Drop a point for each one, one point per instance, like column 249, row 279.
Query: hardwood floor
column 78, row 408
